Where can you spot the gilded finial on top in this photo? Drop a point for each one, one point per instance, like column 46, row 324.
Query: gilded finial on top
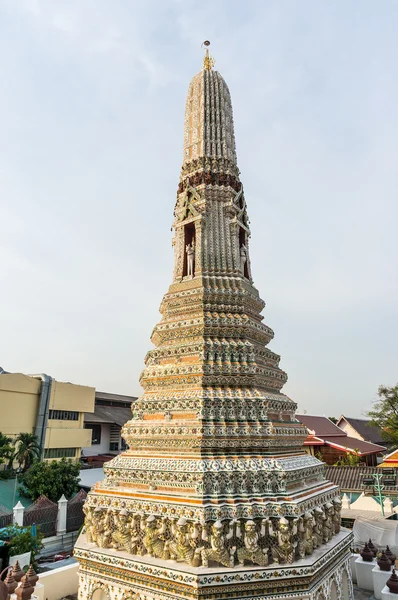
column 208, row 61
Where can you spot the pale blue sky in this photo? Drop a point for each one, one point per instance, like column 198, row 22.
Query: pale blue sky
column 92, row 96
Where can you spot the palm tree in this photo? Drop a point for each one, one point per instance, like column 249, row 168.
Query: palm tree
column 27, row 450
column 6, row 449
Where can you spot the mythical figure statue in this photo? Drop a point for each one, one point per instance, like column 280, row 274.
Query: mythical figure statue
column 183, row 545
column 283, row 550
column 305, row 530
column 98, row 527
column 243, row 258
column 121, row 535
column 328, row 524
column 218, row 550
column 88, row 523
column 126, row 536
column 153, row 540
column 190, row 250
column 337, row 514
column 318, row 527
column 251, row 550
column 109, row 526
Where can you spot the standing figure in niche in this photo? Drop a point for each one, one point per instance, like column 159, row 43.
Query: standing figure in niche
column 190, row 250
column 243, row 258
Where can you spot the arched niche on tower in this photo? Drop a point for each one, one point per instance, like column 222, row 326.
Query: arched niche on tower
column 100, row 593
column 243, row 254
column 333, row 591
column 345, row 586
column 189, row 249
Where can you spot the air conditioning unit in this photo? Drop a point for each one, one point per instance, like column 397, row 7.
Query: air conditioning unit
column 368, row 481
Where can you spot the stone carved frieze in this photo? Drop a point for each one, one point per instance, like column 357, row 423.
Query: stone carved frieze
column 259, row 541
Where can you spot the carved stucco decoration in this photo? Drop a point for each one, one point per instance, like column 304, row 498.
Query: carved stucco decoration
column 214, row 473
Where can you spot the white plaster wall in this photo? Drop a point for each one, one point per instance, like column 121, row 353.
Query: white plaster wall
column 59, row 583
column 103, row 447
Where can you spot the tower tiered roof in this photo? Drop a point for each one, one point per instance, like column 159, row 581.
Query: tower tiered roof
column 214, row 476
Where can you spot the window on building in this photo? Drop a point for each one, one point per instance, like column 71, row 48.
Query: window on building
column 60, row 452
column 95, row 433
column 114, row 438
column 63, row 415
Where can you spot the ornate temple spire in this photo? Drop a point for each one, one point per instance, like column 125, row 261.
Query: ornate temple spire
column 209, row 126
column 215, row 474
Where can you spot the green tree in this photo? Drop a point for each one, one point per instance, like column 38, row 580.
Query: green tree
column 21, row 540
column 351, row 459
column 6, row 449
column 384, row 413
column 52, row 479
column 27, row 450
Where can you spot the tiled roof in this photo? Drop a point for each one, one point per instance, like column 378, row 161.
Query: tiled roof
column 320, row 426
column 349, row 479
column 370, row 433
column 322, row 430
column 351, row 444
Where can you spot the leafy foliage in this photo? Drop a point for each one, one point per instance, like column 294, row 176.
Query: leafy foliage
column 349, row 460
column 21, row 540
column 6, row 449
column 6, row 474
column 385, row 413
column 51, row 479
column 27, row 450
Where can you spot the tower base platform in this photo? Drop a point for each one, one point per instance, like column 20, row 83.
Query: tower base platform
column 106, row 574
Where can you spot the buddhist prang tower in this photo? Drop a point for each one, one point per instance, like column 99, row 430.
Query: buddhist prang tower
column 214, row 497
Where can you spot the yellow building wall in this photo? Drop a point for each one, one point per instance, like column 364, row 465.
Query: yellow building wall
column 19, row 402
column 67, row 438
column 65, row 433
column 68, row 396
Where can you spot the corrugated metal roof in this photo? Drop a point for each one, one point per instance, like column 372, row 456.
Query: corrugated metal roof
column 349, row 479
column 117, row 415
